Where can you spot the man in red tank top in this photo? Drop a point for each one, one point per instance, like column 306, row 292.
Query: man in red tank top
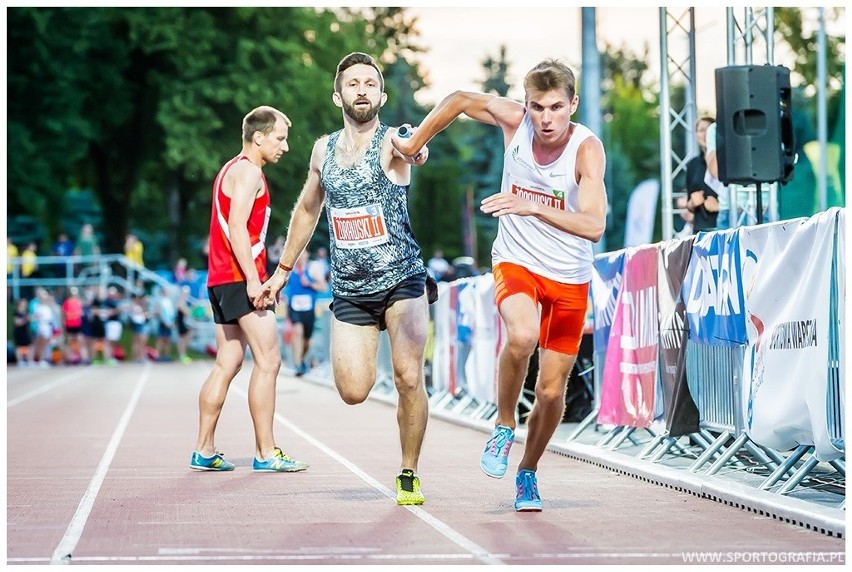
column 237, row 267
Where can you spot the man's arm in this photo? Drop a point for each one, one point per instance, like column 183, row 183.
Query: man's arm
column 396, row 165
column 710, row 153
column 712, row 163
column 590, row 220
column 486, row 108
column 244, row 181
column 303, row 221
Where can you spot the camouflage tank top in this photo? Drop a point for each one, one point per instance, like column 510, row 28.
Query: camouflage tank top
column 372, row 245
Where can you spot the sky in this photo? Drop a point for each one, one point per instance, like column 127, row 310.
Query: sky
column 459, row 39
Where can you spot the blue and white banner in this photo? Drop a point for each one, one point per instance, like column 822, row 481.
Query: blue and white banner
column 713, row 292
column 786, row 367
column 606, row 287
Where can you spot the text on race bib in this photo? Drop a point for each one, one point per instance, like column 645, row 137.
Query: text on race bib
column 302, row 302
column 359, row 227
column 549, row 197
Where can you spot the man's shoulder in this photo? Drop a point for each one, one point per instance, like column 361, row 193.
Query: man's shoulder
column 243, row 166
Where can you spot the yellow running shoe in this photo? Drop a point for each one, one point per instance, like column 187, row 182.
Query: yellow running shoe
column 408, row 488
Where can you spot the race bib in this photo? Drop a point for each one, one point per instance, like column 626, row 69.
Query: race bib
column 359, row 227
column 551, row 197
column 301, row 303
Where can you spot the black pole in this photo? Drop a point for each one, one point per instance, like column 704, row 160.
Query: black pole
column 759, row 204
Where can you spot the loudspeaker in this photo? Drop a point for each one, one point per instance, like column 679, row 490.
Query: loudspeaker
column 754, row 124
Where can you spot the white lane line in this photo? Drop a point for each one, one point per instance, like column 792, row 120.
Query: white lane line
column 453, row 535
column 334, row 558
column 546, row 558
column 45, row 388
column 65, row 549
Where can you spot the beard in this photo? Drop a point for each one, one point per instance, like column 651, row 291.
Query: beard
column 360, row 115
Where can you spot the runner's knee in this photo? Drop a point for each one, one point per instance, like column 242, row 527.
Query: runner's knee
column 229, row 364
column 549, row 394
column 267, row 362
column 408, row 381
column 522, row 342
column 352, row 395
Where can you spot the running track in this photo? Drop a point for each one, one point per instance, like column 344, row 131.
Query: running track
column 98, row 470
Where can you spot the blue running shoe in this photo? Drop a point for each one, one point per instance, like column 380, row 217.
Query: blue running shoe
column 526, row 487
column 215, row 463
column 495, row 458
column 278, row 463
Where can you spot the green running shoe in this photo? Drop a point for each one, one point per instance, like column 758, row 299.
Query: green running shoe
column 408, row 489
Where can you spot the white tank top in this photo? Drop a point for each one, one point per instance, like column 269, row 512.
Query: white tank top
column 524, row 240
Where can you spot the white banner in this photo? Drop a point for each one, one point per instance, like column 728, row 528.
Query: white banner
column 442, row 340
column 480, row 309
column 840, row 260
column 641, row 210
column 787, row 310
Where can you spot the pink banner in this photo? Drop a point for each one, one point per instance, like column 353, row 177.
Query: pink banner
column 627, row 391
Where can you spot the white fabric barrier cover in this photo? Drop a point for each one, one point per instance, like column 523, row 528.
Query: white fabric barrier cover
column 468, row 335
column 480, row 310
column 441, row 345
column 840, row 260
column 786, row 365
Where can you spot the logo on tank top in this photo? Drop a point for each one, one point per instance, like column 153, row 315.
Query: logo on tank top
column 549, row 197
column 516, row 157
column 359, row 227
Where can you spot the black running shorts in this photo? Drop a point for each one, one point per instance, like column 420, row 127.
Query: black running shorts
column 306, row 318
column 369, row 310
column 230, row 302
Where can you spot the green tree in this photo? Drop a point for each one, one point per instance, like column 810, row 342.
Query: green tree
column 143, row 105
column 631, row 132
column 62, row 90
column 791, row 28
column 485, row 165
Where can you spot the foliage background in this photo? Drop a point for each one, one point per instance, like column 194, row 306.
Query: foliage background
column 122, row 117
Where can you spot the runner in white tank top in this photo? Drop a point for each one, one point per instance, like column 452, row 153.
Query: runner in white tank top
column 527, row 241
column 551, row 207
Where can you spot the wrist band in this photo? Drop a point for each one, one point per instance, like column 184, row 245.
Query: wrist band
column 283, row 266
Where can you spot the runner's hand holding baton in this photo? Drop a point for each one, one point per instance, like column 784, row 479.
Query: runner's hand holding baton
column 401, row 144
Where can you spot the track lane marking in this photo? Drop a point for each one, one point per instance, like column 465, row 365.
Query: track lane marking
column 45, row 388
column 65, row 549
column 451, row 534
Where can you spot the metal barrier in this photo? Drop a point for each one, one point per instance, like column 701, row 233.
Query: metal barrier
column 83, row 271
column 713, row 374
column 720, row 447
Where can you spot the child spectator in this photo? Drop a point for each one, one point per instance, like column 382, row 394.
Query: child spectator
column 167, row 316
column 139, row 325
column 72, row 312
column 182, row 323
column 43, row 318
column 112, row 325
column 23, row 337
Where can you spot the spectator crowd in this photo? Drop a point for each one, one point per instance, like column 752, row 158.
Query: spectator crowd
column 70, row 326
column 95, row 325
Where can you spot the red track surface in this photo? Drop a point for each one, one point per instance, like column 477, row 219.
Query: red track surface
column 98, row 468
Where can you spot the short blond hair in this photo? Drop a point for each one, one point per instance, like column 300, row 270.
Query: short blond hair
column 261, row 119
column 550, row 75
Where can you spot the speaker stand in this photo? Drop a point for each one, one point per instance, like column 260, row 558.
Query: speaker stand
column 759, row 213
